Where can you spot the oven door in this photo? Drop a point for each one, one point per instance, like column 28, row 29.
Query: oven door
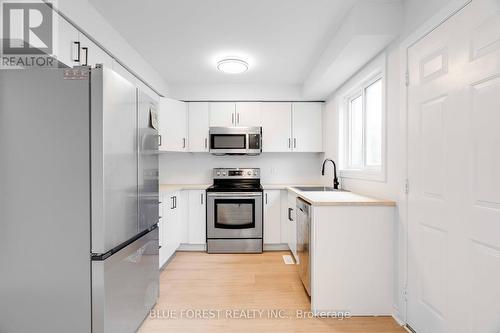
column 234, row 215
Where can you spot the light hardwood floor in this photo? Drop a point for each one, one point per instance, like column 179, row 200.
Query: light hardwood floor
column 226, row 282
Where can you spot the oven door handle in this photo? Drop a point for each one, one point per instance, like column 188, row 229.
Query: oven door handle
column 235, row 195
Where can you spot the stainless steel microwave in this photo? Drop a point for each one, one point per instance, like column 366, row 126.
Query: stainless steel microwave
column 236, row 140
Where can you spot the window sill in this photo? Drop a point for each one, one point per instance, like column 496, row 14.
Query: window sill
column 371, row 175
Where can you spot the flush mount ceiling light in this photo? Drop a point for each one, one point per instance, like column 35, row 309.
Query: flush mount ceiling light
column 232, row 66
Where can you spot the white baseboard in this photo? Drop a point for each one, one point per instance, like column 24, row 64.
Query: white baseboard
column 398, row 319
column 276, row 247
column 192, row 247
column 203, row 247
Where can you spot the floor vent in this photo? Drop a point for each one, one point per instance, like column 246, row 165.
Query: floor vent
column 288, row 259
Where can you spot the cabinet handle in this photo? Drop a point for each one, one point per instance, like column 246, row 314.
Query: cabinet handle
column 86, row 50
column 201, row 198
column 232, row 118
column 294, row 142
column 290, row 210
column 77, row 44
column 206, row 143
column 266, row 198
column 159, row 139
column 289, row 143
column 175, row 200
column 238, row 117
column 173, row 203
column 183, row 142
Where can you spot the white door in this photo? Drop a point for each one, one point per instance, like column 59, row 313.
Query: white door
column 307, row 127
column 173, row 125
column 222, row 114
column 67, row 43
column 272, row 217
column 248, row 114
column 454, row 173
column 276, row 127
column 197, row 217
column 198, row 123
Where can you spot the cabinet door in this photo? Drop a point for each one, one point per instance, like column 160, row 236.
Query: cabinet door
column 197, row 217
column 198, row 123
column 248, row 114
column 276, row 127
column 183, row 217
column 272, row 217
column 292, row 224
column 307, row 127
column 91, row 54
column 222, row 114
column 67, row 47
column 173, row 125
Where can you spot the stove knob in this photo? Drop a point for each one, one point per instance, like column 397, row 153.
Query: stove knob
column 223, row 173
column 249, row 173
column 218, row 173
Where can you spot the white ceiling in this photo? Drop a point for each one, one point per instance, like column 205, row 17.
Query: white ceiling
column 182, row 39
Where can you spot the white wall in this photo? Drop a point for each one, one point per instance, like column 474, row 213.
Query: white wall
column 236, row 92
column 276, row 168
column 416, row 13
column 87, row 18
column 392, row 187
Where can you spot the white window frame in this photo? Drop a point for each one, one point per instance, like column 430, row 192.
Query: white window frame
column 356, row 87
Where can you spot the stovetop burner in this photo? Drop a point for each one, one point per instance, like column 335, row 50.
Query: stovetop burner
column 236, row 180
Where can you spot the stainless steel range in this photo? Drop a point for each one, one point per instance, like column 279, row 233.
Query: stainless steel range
column 234, row 211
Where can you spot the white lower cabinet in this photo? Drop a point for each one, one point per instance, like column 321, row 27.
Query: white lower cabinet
column 170, row 226
column 197, row 233
column 272, row 217
column 292, row 224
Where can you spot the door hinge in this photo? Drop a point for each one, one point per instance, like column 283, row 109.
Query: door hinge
column 407, row 186
column 407, row 79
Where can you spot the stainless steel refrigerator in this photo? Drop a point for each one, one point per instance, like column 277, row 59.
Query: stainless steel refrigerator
column 78, row 202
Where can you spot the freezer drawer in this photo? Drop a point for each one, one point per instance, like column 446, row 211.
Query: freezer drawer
column 125, row 286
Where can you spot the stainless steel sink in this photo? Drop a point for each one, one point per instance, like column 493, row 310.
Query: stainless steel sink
column 317, row 189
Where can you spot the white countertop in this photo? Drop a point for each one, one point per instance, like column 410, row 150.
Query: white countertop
column 314, row 198
column 178, row 187
column 340, row 199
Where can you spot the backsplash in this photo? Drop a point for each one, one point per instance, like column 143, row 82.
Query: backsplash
column 276, row 168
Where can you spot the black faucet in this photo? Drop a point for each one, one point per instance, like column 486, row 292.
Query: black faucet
column 335, row 179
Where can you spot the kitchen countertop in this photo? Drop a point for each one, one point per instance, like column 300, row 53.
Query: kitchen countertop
column 284, row 186
column 314, row 198
column 340, row 199
column 178, row 187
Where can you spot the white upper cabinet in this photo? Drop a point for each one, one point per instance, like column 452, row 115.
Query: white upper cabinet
column 222, row 114
column 307, row 127
column 276, row 127
column 91, row 54
column 198, row 123
column 67, row 51
column 173, row 125
column 248, row 114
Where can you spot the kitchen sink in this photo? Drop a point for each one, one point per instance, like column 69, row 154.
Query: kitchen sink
column 317, row 189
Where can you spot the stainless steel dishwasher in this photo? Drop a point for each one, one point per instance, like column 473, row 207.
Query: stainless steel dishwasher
column 303, row 241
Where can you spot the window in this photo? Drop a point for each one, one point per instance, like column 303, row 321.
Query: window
column 362, row 132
